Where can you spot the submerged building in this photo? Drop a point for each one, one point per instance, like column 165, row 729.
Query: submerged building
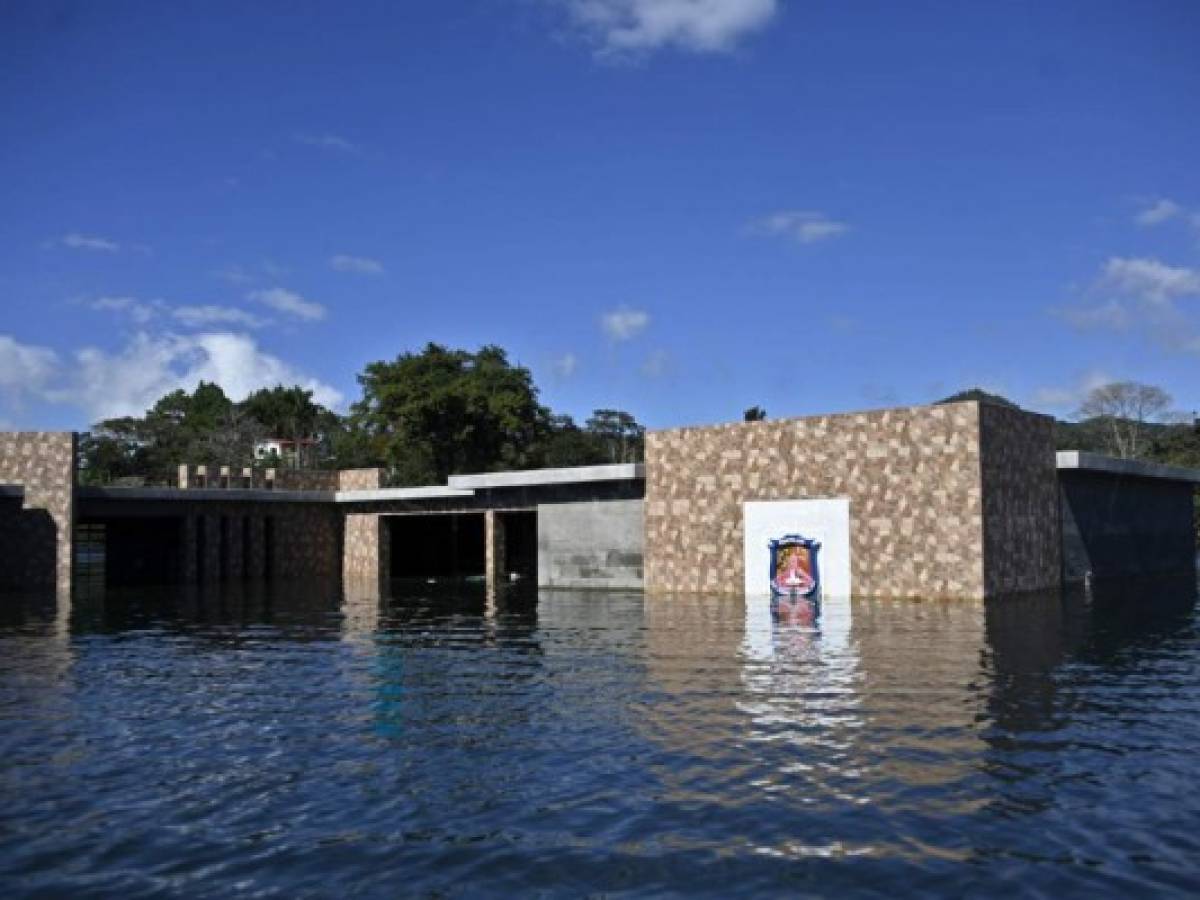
column 961, row 500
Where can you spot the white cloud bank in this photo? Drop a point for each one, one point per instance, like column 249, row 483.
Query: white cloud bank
column 1141, row 293
column 24, row 367
column 1149, row 279
column 624, row 324
column 802, row 226
column 637, row 26
column 105, row 385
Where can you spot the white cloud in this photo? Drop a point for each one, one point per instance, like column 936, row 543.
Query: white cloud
column 1110, row 316
column 1067, row 398
column 624, row 324
column 193, row 316
column 77, row 241
column 565, row 366
column 636, row 26
column 127, row 382
column 1149, row 279
column 656, row 364
column 360, row 265
column 289, row 302
column 327, row 142
column 1158, row 212
column 202, row 316
column 803, row 226
column 1140, row 295
column 236, row 275
column 25, row 368
column 140, row 312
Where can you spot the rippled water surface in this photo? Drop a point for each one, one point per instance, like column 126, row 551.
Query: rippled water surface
column 288, row 741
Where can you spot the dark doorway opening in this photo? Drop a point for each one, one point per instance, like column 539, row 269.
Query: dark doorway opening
column 440, row 545
column 520, row 543
column 137, row 551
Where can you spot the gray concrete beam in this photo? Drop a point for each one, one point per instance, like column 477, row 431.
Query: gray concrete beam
column 1075, row 460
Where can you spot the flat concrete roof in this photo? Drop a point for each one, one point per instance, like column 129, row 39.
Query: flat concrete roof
column 1077, row 460
column 256, row 495
column 457, row 486
column 429, row 492
column 543, row 477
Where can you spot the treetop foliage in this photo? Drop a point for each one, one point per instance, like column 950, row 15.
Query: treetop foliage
column 423, row 416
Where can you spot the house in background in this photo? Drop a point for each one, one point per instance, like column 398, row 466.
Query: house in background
column 292, row 452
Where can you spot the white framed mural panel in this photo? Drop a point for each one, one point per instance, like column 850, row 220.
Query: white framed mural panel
column 826, row 521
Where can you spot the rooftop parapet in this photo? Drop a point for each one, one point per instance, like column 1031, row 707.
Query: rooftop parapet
column 193, row 477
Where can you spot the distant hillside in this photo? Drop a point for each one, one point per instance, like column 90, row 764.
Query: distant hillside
column 981, row 396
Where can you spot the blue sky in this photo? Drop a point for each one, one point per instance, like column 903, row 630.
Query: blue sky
column 677, row 207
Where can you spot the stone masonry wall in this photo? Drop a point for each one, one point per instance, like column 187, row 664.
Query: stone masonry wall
column 359, row 479
column 912, row 476
column 1022, row 532
column 305, row 538
column 366, row 550
column 36, row 537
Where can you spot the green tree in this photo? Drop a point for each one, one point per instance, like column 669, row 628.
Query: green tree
column 442, row 411
column 619, row 433
column 755, row 414
column 566, row 444
column 291, row 413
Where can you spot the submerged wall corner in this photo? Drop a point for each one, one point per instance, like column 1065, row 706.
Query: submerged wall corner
column 37, row 522
column 1022, row 535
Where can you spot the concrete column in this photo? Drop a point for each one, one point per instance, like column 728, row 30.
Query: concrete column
column 255, row 562
column 493, row 528
column 366, row 548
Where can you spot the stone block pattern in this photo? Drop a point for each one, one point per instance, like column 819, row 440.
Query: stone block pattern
column 360, row 479
column 307, row 479
column 1022, row 529
column 38, row 536
column 367, row 548
column 210, row 478
column 912, row 476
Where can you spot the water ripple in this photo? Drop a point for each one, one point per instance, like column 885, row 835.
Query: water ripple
column 292, row 743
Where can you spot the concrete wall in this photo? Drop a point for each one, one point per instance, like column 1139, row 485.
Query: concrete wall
column 36, row 532
column 1120, row 526
column 916, row 480
column 594, row 544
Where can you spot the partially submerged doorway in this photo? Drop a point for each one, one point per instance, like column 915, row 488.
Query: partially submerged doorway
column 437, row 545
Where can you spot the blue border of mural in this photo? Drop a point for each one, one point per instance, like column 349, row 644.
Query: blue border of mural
column 796, row 540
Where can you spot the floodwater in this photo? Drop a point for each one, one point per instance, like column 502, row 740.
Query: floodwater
column 290, row 741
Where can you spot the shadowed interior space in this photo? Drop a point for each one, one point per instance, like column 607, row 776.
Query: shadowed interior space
column 24, row 535
column 123, row 552
column 442, row 545
column 520, row 543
